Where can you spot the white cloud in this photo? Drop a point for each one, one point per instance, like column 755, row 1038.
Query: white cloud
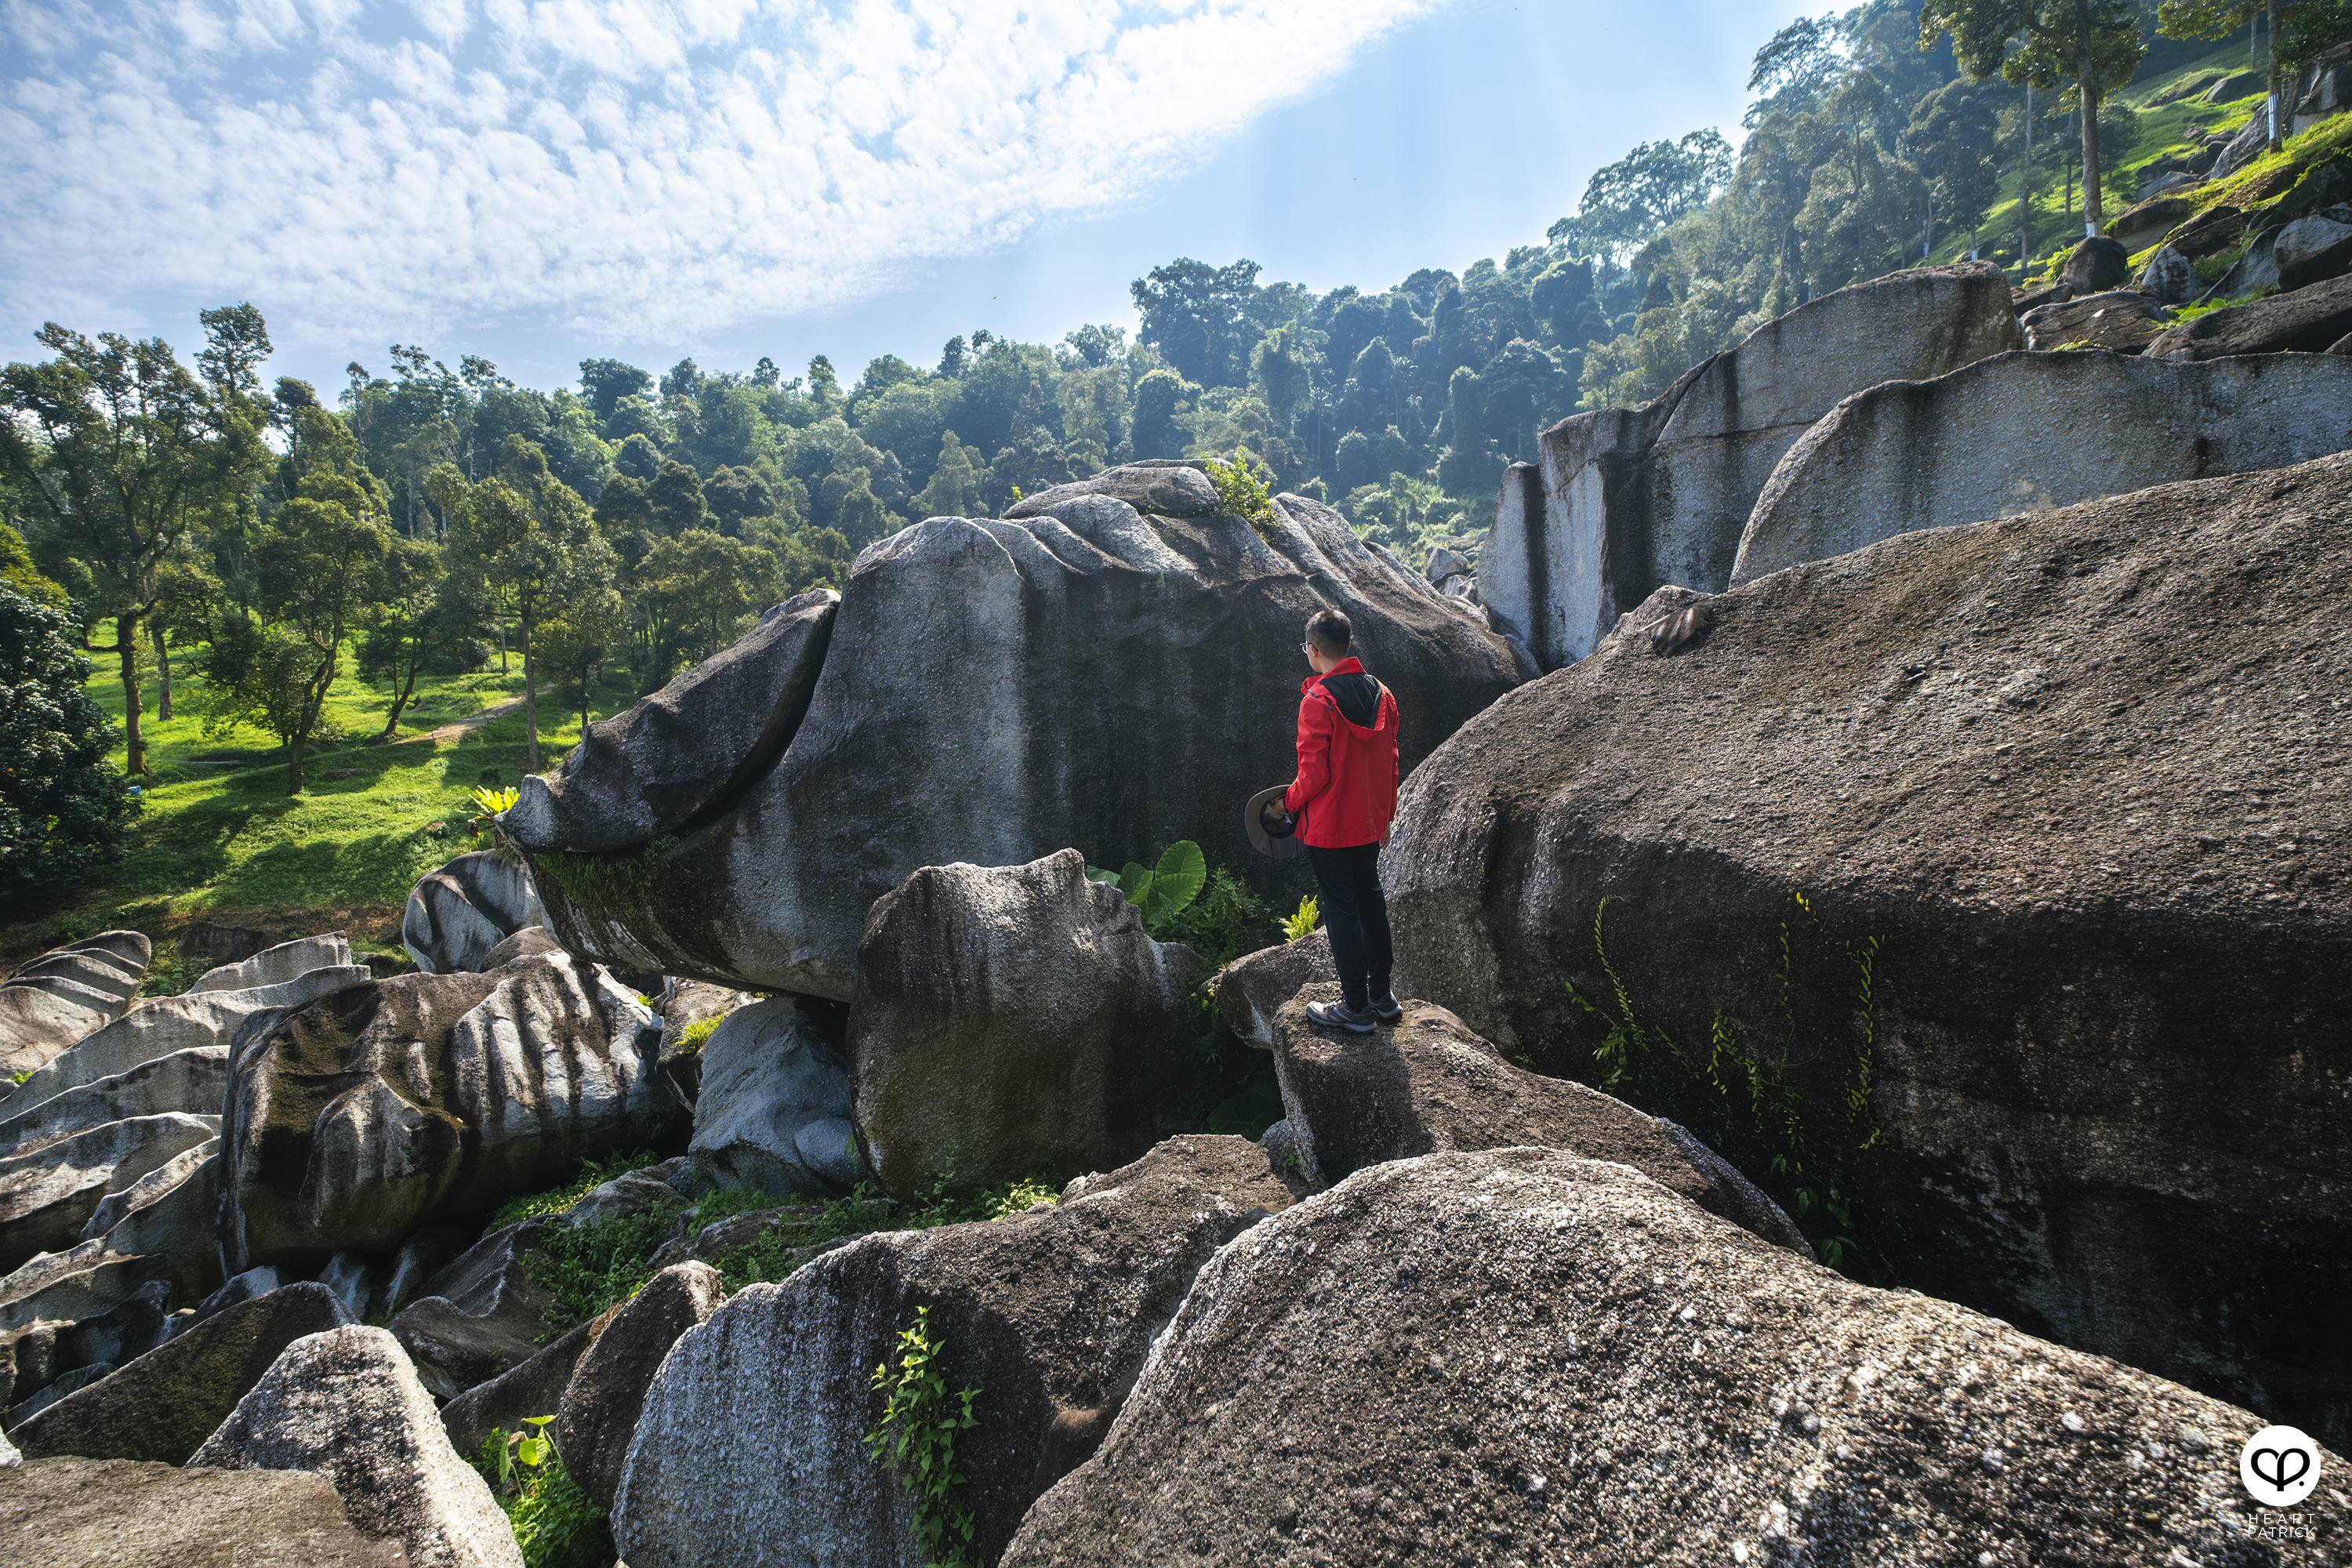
column 662, row 168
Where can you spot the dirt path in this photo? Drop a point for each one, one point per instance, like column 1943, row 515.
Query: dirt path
column 447, row 733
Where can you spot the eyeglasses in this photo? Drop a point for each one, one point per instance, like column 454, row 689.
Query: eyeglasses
column 1307, row 648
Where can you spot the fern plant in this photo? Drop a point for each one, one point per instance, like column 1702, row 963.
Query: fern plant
column 1301, row 924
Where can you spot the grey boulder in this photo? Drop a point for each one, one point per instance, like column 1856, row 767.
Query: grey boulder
column 509, row 1400
column 457, row 914
column 2059, row 793
column 188, row 1081
column 66, row 993
column 164, row 1404
column 1524, row 1356
column 344, row 1403
column 126, row 1330
column 598, row 1418
column 47, row 1195
column 1429, row 1085
column 961, row 715
column 427, row 1099
column 2169, row 278
column 1624, row 500
column 1011, row 1021
column 2021, row 434
column 276, row 965
column 677, row 759
column 2122, row 319
column 1160, row 488
column 1049, row 1314
column 480, row 1317
column 1252, row 989
column 2304, row 321
column 769, row 1071
column 71, row 1513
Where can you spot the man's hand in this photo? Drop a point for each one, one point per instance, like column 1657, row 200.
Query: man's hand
column 1384, row 837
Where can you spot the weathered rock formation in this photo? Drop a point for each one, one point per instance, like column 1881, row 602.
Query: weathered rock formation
column 2309, row 320
column 1429, row 1085
column 1524, row 1357
column 164, row 1405
column 1164, row 487
column 457, row 914
column 607, row 1388
column 66, row 993
column 2067, row 802
column 346, row 1404
column 962, row 713
column 383, row 1108
column 1252, row 989
column 2024, row 432
column 1009, row 1021
column 1623, row 500
column 479, row 1317
column 276, row 965
column 2122, row 319
column 773, row 1111
column 61, row 1512
column 46, row 1196
column 1049, row 1314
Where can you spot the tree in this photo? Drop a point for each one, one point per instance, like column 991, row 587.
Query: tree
column 1158, row 398
column 526, row 544
column 709, row 580
column 683, row 379
column 1951, row 137
column 605, row 382
column 1641, row 193
column 2310, row 26
column 956, row 481
column 735, row 496
column 63, row 807
column 675, row 501
column 17, row 571
column 120, row 448
column 1198, row 316
column 2097, row 45
column 577, row 644
column 317, row 568
column 1279, row 370
column 408, row 622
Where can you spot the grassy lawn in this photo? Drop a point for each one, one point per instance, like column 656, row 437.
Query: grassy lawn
column 218, row 837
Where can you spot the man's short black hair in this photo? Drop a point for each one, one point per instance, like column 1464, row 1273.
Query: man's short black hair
column 1330, row 631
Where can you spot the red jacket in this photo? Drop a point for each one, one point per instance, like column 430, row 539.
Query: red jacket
column 1347, row 781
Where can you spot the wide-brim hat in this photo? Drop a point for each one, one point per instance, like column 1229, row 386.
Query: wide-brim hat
column 1285, row 847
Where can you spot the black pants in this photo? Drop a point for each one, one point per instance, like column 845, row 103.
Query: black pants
column 1356, row 912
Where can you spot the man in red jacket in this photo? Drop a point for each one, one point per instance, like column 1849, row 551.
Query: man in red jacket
column 1347, row 790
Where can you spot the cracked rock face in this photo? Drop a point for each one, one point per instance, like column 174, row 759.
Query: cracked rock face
column 1523, row 1356
column 989, row 692
column 2067, row 801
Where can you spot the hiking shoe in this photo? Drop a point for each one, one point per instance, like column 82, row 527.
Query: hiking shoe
column 1340, row 1015
column 1385, row 1008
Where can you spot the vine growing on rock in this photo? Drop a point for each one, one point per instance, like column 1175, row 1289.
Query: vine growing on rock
column 1764, row 1118
column 916, row 1437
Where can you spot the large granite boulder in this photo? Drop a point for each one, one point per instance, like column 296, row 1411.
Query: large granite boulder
column 2056, row 1015
column 481, row 1317
column 963, row 714
column 70, row 1513
column 425, row 1099
column 164, row 1404
column 1252, row 989
column 2024, row 433
column 772, row 1080
column 665, row 764
column 346, row 1404
column 163, row 1025
column 457, row 914
column 1157, row 487
column 2124, row 320
column 507, row 1401
column 1049, row 1314
column 1011, row 1021
column 598, row 1418
column 276, row 965
column 2306, row 322
column 1428, row 1084
column 189, row 1082
column 47, row 1195
column 1623, row 500
column 67, row 993
column 1521, row 1356
column 2097, row 262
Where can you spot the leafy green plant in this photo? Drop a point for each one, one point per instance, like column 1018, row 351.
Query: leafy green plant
column 1300, row 924
column 552, row 1518
column 1161, row 893
column 696, row 1033
column 594, row 1174
column 1245, row 489
column 916, row 1437
column 1021, row 1196
column 1226, row 921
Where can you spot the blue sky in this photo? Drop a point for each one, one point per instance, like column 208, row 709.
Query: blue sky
column 538, row 181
